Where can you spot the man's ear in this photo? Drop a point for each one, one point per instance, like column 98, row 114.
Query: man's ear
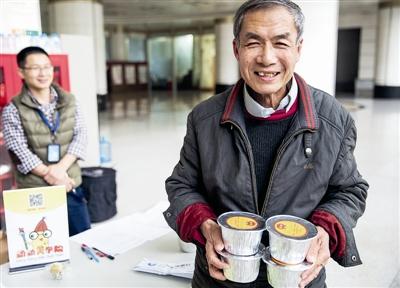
column 300, row 46
column 21, row 73
column 299, row 49
column 235, row 45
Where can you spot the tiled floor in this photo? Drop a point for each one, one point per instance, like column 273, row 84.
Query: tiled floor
column 146, row 147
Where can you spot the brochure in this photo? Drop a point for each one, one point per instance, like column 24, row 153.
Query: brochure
column 37, row 227
column 183, row 269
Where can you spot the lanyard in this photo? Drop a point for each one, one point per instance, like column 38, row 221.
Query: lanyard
column 53, row 127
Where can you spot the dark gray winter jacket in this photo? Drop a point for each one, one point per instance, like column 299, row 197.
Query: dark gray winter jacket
column 314, row 169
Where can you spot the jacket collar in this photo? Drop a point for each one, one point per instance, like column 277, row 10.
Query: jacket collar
column 61, row 101
column 306, row 114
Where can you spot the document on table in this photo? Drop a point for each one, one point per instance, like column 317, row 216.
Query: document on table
column 119, row 236
column 182, row 269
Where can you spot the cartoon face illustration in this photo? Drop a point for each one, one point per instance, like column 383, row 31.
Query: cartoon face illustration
column 40, row 236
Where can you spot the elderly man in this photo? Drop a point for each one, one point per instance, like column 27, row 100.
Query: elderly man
column 269, row 145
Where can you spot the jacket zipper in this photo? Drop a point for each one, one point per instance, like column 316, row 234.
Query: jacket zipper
column 280, row 152
column 250, row 155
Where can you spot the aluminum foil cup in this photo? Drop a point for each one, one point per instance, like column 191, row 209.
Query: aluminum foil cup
column 290, row 238
column 281, row 276
column 242, row 269
column 241, row 232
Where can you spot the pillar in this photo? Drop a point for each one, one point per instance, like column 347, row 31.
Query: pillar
column 387, row 77
column 227, row 66
column 119, row 49
column 317, row 63
column 83, row 17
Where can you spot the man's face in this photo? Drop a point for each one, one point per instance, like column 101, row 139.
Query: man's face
column 37, row 72
column 268, row 50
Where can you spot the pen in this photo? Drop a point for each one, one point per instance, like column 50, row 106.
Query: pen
column 105, row 254
column 89, row 252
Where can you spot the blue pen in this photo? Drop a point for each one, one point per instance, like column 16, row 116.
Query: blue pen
column 90, row 252
column 86, row 253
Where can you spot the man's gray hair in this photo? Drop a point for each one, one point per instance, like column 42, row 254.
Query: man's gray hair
column 252, row 5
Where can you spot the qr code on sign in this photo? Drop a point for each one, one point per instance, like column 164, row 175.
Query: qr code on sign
column 35, row 200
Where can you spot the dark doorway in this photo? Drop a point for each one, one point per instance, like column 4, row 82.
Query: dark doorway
column 347, row 60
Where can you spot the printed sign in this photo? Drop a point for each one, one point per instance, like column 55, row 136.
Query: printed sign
column 37, row 227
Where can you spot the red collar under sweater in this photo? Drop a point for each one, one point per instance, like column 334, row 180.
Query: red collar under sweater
column 305, row 104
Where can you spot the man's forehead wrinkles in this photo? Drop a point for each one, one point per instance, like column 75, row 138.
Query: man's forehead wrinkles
column 254, row 35
column 285, row 35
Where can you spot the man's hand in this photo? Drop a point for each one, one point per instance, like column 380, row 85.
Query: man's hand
column 57, row 172
column 318, row 254
column 41, row 170
column 69, row 184
column 55, row 175
column 212, row 232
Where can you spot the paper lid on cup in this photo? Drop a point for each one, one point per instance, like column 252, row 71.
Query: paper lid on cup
column 241, row 221
column 291, row 227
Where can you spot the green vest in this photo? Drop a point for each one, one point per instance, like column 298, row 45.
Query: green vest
column 39, row 136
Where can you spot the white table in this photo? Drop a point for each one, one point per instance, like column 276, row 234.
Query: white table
column 83, row 272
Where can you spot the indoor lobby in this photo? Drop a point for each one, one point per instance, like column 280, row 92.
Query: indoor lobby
column 185, row 60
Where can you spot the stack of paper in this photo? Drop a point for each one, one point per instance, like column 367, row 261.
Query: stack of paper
column 128, row 232
column 181, row 269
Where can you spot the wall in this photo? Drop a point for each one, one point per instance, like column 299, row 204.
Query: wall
column 184, row 55
column 137, row 47
column 160, row 58
column 19, row 16
column 364, row 16
column 83, row 85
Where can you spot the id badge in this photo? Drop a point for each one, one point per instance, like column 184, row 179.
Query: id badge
column 53, row 153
